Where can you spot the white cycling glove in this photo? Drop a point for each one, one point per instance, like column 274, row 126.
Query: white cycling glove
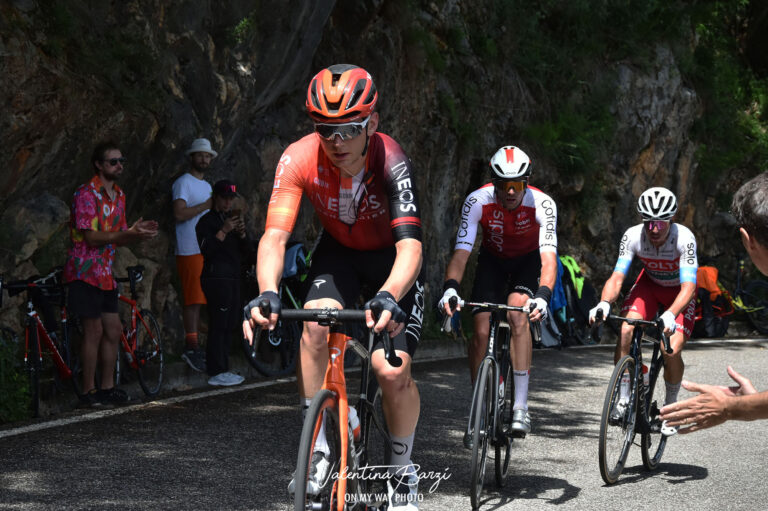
column 603, row 306
column 537, row 303
column 447, row 295
column 669, row 322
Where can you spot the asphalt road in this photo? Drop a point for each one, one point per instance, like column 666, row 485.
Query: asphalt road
column 237, row 449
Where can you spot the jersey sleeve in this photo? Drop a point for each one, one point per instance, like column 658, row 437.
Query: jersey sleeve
column 286, row 193
column 626, row 250
column 471, row 212
column 179, row 189
column 84, row 207
column 686, row 245
column 546, row 217
column 405, row 214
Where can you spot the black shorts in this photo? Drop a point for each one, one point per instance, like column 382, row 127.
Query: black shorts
column 342, row 273
column 89, row 301
column 497, row 278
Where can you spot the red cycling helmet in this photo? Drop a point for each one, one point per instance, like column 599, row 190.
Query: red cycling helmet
column 341, row 93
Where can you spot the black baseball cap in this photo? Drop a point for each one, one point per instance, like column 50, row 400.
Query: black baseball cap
column 225, row 188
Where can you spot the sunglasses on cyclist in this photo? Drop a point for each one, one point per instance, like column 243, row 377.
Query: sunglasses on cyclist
column 658, row 225
column 346, row 131
column 506, row 186
column 115, row 161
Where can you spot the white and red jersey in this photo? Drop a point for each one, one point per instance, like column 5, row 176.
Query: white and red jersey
column 669, row 265
column 508, row 234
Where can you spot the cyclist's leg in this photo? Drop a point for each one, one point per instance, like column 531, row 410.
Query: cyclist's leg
column 637, row 305
column 110, row 340
column 478, row 343
column 674, row 367
column 490, row 285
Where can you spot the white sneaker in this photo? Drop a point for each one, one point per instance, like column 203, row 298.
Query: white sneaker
column 403, row 493
column 619, row 409
column 668, row 430
column 225, row 380
column 318, row 475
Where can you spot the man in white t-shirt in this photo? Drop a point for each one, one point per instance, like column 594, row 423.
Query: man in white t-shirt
column 191, row 200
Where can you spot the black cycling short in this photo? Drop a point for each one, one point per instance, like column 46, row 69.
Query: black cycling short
column 496, row 278
column 89, row 301
column 342, row 273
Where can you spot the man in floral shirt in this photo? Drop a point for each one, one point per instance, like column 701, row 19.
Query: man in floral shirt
column 97, row 226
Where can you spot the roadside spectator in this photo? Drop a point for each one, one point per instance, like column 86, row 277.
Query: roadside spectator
column 191, row 200
column 717, row 404
column 224, row 244
column 97, row 226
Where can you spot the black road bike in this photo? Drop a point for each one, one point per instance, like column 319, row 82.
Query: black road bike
column 619, row 424
column 490, row 415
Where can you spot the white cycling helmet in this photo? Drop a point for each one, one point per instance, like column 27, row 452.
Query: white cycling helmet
column 657, row 203
column 510, row 162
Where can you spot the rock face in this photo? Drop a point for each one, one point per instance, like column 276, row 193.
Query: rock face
column 154, row 76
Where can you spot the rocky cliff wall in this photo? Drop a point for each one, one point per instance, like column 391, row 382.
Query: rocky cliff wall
column 155, row 76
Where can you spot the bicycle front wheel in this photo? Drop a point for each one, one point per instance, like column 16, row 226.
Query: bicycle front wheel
column 481, row 427
column 503, row 425
column 617, row 422
column 756, row 302
column 33, row 368
column 149, row 354
column 376, row 448
column 652, row 443
column 313, row 491
column 274, row 352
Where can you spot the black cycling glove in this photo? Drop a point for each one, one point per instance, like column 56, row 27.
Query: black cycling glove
column 385, row 301
column 273, row 302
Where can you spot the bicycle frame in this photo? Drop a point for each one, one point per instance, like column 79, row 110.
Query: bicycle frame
column 654, row 370
column 128, row 337
column 33, row 321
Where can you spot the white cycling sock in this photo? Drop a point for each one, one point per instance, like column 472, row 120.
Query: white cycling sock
column 672, row 391
column 624, row 388
column 321, row 444
column 400, row 459
column 521, row 389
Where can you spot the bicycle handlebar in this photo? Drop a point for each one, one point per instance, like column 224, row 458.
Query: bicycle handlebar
column 15, row 287
column 658, row 323
column 487, row 306
column 330, row 316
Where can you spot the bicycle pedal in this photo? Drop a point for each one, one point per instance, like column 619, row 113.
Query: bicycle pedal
column 515, row 434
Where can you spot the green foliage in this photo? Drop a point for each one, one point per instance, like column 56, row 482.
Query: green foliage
column 244, row 29
column 14, row 388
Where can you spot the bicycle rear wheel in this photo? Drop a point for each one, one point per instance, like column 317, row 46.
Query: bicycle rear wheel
column 617, row 432
column 149, row 354
column 503, row 424
column 33, row 369
column 755, row 299
column 482, row 428
column 274, row 352
column 324, row 409
column 652, row 443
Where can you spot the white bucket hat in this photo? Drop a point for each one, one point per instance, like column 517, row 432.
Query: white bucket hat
column 201, row 145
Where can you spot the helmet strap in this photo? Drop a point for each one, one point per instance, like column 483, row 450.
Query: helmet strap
column 367, row 139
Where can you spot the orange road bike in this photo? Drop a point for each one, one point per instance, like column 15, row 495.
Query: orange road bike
column 353, row 480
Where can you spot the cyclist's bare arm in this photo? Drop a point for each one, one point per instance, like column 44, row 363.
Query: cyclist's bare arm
column 182, row 212
column 269, row 269
column 455, row 271
column 612, row 287
column 405, row 271
column 684, row 297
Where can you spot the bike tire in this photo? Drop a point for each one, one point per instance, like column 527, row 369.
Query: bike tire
column 375, row 450
column 324, row 407
column 612, row 463
column 275, row 352
column 652, row 444
column 482, row 427
column 33, row 369
column 149, row 354
column 755, row 298
column 504, row 422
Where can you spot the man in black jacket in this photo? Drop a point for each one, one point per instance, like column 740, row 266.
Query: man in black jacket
column 223, row 244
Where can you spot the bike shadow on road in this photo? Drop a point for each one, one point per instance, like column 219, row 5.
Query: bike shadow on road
column 673, row 473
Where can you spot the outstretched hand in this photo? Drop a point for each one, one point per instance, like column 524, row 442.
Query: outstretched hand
column 709, row 408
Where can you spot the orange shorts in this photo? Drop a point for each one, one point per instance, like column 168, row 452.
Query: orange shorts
column 190, row 267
